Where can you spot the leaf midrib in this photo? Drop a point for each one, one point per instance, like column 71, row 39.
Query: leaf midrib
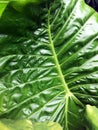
column 55, row 56
column 68, row 93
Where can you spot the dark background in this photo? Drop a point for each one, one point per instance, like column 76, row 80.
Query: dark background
column 93, row 4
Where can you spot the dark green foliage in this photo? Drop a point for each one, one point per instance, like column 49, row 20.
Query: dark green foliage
column 49, row 62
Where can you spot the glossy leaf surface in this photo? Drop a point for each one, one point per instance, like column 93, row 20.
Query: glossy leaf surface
column 49, row 71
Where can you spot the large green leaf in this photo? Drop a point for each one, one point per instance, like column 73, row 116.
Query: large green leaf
column 49, row 71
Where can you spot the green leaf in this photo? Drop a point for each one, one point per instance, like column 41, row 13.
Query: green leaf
column 7, row 124
column 3, row 5
column 20, row 4
column 91, row 115
column 49, row 72
column 17, row 4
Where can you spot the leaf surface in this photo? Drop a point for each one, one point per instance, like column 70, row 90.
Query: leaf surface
column 49, row 73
